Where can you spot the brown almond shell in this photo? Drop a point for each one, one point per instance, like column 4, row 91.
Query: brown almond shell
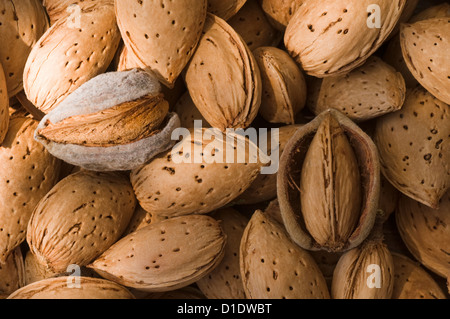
column 289, row 172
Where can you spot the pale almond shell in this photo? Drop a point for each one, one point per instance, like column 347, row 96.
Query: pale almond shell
column 280, row 12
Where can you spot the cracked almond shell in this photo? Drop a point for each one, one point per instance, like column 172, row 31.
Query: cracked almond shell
column 22, row 23
column 79, row 218
column 426, row 232
column 289, row 176
column 333, row 38
column 162, row 35
column 164, row 256
column 414, row 149
column 223, row 78
column 425, row 46
column 67, row 56
column 115, row 121
column 60, row 288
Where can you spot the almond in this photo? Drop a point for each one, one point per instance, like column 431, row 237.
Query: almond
column 253, row 26
column 164, row 256
column 115, row 121
column 342, row 26
column 426, row 232
column 225, row 9
column 4, row 106
column 280, row 12
column 283, row 85
column 413, row 147
column 352, row 277
column 225, row 281
column 12, row 273
column 367, row 92
column 411, row 281
column 67, row 56
column 34, row 271
column 394, row 55
column 59, row 9
column 27, row 173
column 223, row 78
column 291, row 194
column 81, row 217
column 273, row 267
column 163, row 36
column 60, row 288
column 389, row 196
column 22, row 24
column 264, row 187
column 424, row 46
column 190, row 171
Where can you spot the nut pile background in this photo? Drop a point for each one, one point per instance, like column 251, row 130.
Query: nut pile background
column 93, row 203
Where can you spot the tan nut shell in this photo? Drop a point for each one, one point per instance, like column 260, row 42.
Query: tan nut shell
column 253, row 26
column 334, row 38
column 188, row 112
column 414, row 147
column 289, row 174
column 264, row 187
column 225, row 281
column 223, row 78
column 4, row 106
column 225, row 9
column 273, row 267
column 27, row 173
column 60, row 288
column 22, row 24
column 12, row 273
column 190, row 173
column 65, row 57
column 162, row 36
column 81, row 217
column 426, row 232
column 165, row 256
column 280, row 12
column 425, row 46
column 59, row 9
column 369, row 91
column 411, row 281
column 34, row 271
column 283, row 85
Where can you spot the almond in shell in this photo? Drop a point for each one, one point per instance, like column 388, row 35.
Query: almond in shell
column 81, row 217
column 27, row 173
column 12, row 273
column 188, row 112
column 367, row 92
column 274, row 267
column 4, row 106
column 425, row 45
column 225, row 9
column 411, row 281
column 22, row 23
column 280, row 12
column 413, row 147
column 426, row 232
column 68, row 55
column 223, row 78
column 163, row 36
column 67, row 287
column 342, row 26
column 165, row 256
column 190, row 171
column 283, row 85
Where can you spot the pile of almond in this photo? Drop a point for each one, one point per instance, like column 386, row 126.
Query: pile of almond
column 101, row 196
